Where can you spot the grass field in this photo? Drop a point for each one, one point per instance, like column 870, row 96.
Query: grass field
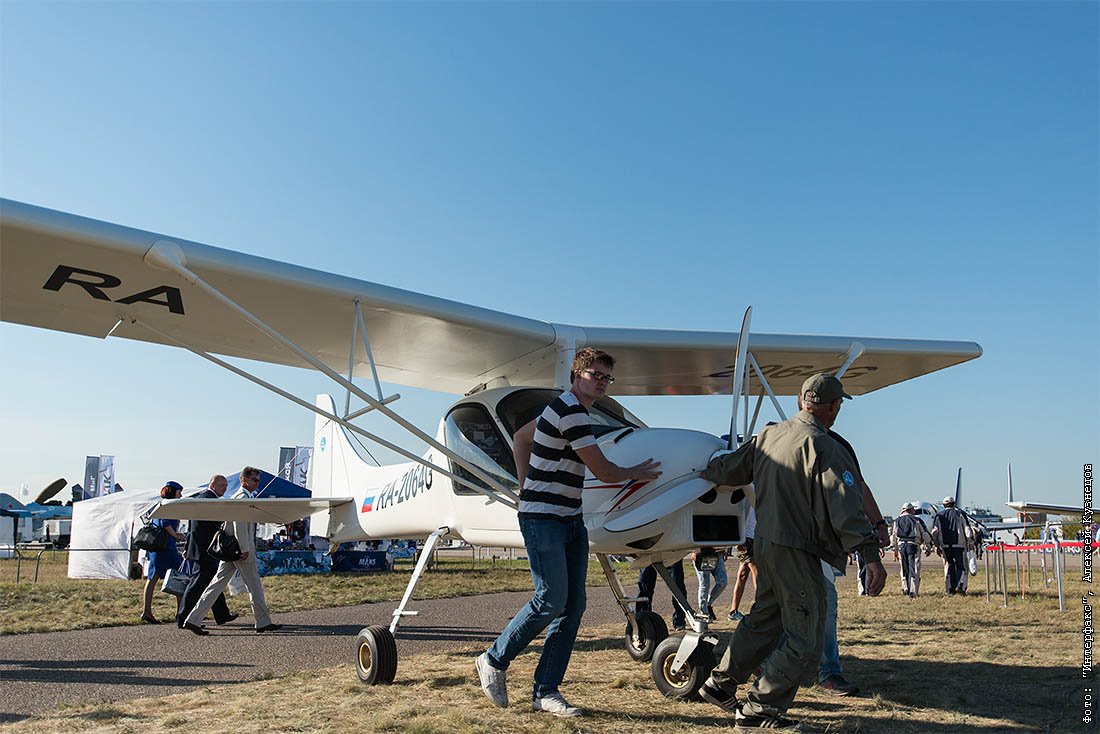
column 935, row 664
column 58, row 603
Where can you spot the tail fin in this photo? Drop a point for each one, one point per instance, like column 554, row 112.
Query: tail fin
column 333, row 456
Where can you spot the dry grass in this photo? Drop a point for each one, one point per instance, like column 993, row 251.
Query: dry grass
column 58, row 603
column 934, row 665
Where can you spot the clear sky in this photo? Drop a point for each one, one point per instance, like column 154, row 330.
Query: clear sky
column 925, row 170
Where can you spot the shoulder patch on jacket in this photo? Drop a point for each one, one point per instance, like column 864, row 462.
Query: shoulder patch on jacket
column 849, row 479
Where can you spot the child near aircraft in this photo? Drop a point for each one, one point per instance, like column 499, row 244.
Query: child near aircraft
column 551, row 454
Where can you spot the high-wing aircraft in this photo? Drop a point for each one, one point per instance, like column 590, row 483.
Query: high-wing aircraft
column 70, row 273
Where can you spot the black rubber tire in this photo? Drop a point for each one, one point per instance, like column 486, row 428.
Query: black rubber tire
column 685, row 685
column 375, row 655
column 651, row 630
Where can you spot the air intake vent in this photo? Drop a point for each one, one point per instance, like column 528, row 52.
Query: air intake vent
column 716, row 528
column 645, row 543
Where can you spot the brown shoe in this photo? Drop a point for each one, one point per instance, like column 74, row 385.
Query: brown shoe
column 838, row 686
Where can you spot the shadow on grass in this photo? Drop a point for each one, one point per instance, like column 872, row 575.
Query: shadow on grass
column 1033, row 697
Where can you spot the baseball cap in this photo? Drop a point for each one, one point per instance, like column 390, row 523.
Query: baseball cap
column 823, row 388
column 908, row 506
column 948, row 500
column 174, row 485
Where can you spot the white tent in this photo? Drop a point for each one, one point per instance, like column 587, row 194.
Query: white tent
column 102, row 528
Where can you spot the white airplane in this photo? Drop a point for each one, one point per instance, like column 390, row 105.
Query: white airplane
column 926, row 509
column 69, row 273
column 1027, row 507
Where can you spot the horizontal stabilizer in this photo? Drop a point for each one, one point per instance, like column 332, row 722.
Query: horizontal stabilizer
column 281, row 511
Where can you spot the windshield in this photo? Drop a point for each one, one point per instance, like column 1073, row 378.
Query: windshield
column 523, row 406
column 471, row 433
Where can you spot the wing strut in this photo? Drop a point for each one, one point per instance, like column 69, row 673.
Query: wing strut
column 166, row 255
column 509, row 498
column 854, row 352
column 767, row 387
column 360, row 327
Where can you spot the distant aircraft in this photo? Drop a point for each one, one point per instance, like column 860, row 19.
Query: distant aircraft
column 1028, row 507
column 82, row 276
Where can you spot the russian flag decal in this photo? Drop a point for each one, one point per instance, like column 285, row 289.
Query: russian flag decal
column 368, row 504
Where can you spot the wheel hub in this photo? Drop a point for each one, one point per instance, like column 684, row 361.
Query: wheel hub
column 366, row 660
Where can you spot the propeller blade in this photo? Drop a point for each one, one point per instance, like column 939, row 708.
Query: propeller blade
column 51, row 489
column 739, row 373
column 959, row 488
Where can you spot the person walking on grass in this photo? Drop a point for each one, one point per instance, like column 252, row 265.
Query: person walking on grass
column 551, row 454
column 746, row 566
column 809, row 508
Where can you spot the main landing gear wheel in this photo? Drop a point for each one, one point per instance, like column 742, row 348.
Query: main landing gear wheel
column 651, row 630
column 375, row 655
column 685, row 683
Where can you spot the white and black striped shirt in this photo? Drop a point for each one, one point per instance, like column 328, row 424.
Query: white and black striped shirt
column 555, row 476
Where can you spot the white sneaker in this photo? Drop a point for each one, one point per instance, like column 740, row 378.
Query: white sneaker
column 493, row 681
column 554, row 703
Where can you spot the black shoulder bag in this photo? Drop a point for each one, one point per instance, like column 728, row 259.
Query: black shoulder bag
column 224, row 546
column 152, row 538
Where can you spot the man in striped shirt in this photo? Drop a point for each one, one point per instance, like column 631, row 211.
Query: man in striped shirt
column 551, row 454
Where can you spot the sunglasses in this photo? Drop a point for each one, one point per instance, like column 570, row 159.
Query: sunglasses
column 599, row 376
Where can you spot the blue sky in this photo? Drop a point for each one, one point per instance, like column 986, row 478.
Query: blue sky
column 925, row 170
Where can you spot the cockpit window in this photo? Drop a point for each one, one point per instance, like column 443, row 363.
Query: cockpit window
column 471, row 433
column 523, row 406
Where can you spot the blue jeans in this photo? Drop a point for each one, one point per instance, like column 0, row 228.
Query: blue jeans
column 707, row 595
column 647, row 584
column 830, row 652
column 558, row 553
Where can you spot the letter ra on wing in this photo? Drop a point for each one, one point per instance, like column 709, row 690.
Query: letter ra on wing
column 95, row 283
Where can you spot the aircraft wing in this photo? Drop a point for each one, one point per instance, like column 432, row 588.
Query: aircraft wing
column 276, row 510
column 1045, row 508
column 70, row 273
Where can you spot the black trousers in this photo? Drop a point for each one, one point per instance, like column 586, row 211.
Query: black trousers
column 954, row 566
column 647, row 584
column 207, row 568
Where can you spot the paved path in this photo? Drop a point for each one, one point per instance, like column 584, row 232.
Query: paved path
column 39, row 672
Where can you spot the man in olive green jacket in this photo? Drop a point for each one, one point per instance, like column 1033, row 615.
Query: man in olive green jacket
column 809, row 508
